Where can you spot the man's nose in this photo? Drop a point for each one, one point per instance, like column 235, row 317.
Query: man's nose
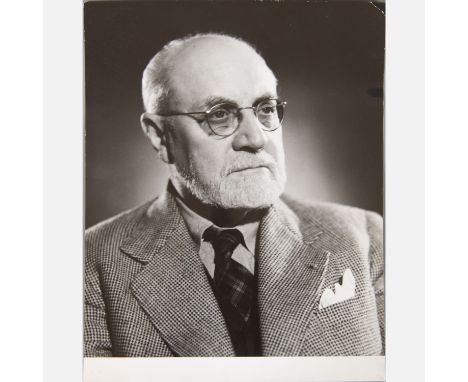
column 250, row 134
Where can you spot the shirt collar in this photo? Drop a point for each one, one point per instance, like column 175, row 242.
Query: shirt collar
column 197, row 225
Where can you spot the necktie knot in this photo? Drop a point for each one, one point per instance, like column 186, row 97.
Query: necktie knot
column 224, row 241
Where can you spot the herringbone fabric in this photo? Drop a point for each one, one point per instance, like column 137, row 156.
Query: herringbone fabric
column 147, row 293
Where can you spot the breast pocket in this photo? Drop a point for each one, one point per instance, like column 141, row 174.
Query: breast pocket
column 351, row 327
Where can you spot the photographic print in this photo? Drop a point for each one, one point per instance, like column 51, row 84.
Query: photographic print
column 234, row 179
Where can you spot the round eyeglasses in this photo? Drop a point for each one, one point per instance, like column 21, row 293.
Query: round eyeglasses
column 223, row 118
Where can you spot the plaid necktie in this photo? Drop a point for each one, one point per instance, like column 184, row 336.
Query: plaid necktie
column 233, row 283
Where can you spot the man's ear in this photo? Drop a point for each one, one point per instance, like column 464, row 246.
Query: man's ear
column 153, row 128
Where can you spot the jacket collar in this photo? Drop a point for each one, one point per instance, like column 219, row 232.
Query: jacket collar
column 174, row 290
column 291, row 272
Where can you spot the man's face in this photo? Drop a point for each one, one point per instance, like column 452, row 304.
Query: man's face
column 245, row 169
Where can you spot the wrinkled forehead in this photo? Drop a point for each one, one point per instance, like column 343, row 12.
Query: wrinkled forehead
column 219, row 67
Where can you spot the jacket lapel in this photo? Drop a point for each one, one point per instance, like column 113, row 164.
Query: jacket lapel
column 290, row 275
column 173, row 288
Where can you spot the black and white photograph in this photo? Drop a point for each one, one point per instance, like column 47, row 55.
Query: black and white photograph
column 234, row 179
column 233, row 190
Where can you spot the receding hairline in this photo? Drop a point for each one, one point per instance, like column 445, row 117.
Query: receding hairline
column 156, row 76
column 179, row 45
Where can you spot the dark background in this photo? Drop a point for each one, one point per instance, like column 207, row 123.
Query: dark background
column 328, row 57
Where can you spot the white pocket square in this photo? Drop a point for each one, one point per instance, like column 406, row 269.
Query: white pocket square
column 343, row 291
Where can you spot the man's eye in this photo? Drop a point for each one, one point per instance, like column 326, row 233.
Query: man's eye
column 267, row 110
column 219, row 114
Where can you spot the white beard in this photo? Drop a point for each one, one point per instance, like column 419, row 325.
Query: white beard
column 237, row 190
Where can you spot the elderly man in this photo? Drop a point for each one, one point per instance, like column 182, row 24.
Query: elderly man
column 220, row 264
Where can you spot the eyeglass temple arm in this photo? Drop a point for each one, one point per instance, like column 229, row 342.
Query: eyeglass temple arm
column 190, row 113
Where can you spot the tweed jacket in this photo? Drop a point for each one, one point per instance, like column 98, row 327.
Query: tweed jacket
column 147, row 294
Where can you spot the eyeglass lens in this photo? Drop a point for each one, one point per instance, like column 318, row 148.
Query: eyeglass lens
column 223, row 119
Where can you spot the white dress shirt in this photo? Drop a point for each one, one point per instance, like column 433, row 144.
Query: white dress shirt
column 196, row 224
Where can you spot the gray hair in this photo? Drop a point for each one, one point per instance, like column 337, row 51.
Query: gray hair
column 155, row 82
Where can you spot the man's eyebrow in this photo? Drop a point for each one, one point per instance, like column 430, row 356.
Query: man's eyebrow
column 216, row 100
column 264, row 97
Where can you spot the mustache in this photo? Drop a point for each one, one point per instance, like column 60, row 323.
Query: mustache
column 242, row 161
